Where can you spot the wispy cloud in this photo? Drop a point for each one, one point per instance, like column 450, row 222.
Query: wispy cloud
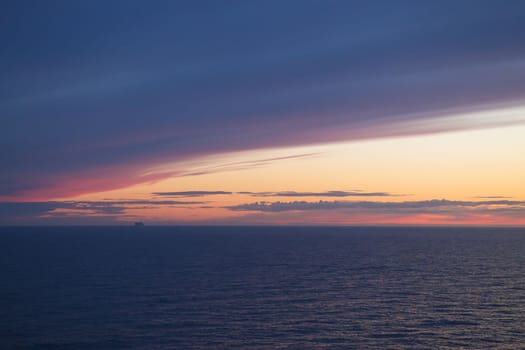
column 335, row 193
column 190, row 193
column 413, row 206
column 431, row 212
column 319, row 194
column 17, row 212
column 182, row 169
column 293, row 212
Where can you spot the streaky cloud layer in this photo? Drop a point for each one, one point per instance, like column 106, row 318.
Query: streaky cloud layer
column 427, row 212
column 111, row 89
column 335, row 193
column 390, row 206
column 443, row 211
column 31, row 212
column 319, row 194
column 190, row 193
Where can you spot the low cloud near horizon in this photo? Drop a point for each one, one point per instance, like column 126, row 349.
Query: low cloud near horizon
column 29, row 212
column 70, row 212
column 371, row 205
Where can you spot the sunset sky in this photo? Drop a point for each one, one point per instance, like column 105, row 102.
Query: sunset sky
column 262, row 112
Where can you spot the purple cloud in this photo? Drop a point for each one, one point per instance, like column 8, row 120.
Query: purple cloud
column 111, row 88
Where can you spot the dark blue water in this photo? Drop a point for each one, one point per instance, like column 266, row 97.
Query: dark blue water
column 262, row 288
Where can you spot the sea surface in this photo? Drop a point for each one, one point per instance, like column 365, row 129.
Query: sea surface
column 262, row 288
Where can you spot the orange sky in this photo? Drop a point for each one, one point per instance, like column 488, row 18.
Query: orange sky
column 467, row 166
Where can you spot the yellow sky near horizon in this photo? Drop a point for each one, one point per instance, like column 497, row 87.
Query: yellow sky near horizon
column 453, row 165
column 461, row 165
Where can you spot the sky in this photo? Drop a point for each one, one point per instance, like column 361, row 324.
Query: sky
column 262, row 112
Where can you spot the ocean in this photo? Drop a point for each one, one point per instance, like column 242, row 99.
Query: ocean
column 262, row 288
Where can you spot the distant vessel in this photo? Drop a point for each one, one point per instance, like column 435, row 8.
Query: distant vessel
column 139, row 224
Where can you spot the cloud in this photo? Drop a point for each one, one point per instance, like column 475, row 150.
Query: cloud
column 407, row 206
column 27, row 212
column 190, row 193
column 195, row 170
column 318, row 194
column 427, row 212
column 441, row 211
column 274, row 194
column 143, row 95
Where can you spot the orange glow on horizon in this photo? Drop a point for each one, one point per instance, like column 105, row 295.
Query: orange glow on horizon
column 462, row 166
